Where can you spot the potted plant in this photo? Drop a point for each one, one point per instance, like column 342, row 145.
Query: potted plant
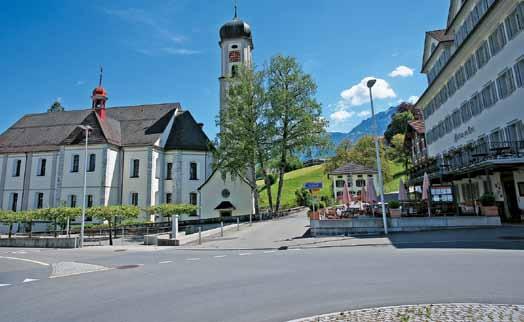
column 488, row 206
column 394, row 208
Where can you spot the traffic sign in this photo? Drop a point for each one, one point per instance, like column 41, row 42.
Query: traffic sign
column 313, row 185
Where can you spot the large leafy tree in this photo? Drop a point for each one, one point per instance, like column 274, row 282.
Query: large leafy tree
column 10, row 218
column 363, row 153
column 398, row 125
column 294, row 112
column 244, row 138
column 169, row 210
column 341, row 156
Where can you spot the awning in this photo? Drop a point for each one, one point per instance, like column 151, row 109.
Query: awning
column 225, row 205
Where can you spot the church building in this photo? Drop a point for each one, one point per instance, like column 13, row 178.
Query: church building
column 138, row 155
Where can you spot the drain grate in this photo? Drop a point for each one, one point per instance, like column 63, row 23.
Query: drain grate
column 127, row 266
column 512, row 237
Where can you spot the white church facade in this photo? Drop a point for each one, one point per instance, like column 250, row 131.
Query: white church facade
column 137, row 155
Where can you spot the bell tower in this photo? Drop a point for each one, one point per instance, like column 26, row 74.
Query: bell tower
column 99, row 98
column 236, row 44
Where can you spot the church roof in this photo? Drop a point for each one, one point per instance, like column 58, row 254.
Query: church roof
column 123, row 126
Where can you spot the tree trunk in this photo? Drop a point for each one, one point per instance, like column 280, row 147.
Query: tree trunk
column 283, row 159
column 110, row 233
column 56, row 232
column 30, row 229
column 10, row 234
column 267, row 182
column 253, row 184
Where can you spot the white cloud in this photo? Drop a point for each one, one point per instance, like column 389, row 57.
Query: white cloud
column 413, row 99
column 402, row 71
column 340, row 116
column 359, row 94
column 364, row 113
column 80, row 83
column 180, row 51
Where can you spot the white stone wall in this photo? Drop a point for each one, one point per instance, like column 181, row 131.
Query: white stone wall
column 211, row 196
column 352, row 183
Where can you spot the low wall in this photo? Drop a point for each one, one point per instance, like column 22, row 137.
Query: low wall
column 183, row 239
column 370, row 225
column 61, row 242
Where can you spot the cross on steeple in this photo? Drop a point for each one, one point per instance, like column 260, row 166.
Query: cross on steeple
column 101, row 74
column 235, row 10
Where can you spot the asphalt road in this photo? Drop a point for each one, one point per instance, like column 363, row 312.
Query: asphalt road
column 200, row 285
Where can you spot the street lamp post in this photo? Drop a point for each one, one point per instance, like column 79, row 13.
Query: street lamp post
column 86, row 128
column 370, row 84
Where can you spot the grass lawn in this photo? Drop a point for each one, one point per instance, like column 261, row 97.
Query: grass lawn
column 293, row 181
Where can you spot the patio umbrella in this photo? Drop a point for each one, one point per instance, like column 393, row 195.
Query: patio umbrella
column 402, row 193
column 371, row 194
column 346, row 197
column 363, row 195
column 425, row 191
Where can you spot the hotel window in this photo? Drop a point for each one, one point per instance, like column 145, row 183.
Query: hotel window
column 520, row 15
column 339, row 183
column 14, row 201
column 457, row 119
column 75, row 163
column 497, row 40
column 17, row 165
column 192, row 198
column 476, row 104
column 361, row 183
column 39, row 200
column 471, row 67
column 465, row 111
column 513, row 25
column 339, row 194
column 460, row 77
column 41, row 168
column 134, row 198
column 452, row 86
column 448, row 124
column 506, row 83
column 169, row 171
column 519, row 72
column 169, row 197
column 482, row 54
column 515, row 131
column 496, row 136
column 72, row 201
column 489, row 95
column 92, row 163
column 135, row 168
column 193, row 171
column 89, row 201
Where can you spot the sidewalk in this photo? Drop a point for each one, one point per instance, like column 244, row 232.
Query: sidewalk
column 291, row 232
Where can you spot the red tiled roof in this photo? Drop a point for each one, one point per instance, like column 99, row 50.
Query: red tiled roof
column 418, row 126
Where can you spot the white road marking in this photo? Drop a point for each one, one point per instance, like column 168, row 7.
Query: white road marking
column 219, row 256
column 192, row 259
column 25, row 260
column 27, row 280
column 244, row 254
column 4, row 285
column 295, row 249
column 269, row 251
column 165, row 262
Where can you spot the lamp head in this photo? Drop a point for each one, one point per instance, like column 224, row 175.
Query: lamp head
column 371, row 83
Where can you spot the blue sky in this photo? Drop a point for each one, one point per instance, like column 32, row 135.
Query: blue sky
column 167, row 51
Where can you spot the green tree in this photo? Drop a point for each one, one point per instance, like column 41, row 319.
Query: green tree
column 398, row 125
column 294, row 112
column 59, row 216
column 110, row 213
column 56, row 107
column 340, row 158
column 28, row 217
column 169, row 210
column 363, row 153
column 10, row 218
column 398, row 152
column 244, row 138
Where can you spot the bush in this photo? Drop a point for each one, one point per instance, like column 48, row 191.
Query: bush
column 487, row 200
column 394, row 204
column 303, row 197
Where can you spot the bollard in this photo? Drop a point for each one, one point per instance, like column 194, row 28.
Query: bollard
column 174, row 228
column 221, row 229
column 200, row 235
column 238, row 224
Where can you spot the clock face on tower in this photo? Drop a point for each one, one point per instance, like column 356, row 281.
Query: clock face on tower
column 234, row 56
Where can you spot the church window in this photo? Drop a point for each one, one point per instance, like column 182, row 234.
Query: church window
column 193, row 171
column 234, row 56
column 193, row 198
column 226, row 193
column 234, row 71
column 92, row 163
column 76, row 163
column 135, row 166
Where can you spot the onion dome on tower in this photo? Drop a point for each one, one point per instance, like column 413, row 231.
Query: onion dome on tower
column 236, row 28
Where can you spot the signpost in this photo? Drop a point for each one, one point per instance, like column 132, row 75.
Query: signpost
column 314, row 188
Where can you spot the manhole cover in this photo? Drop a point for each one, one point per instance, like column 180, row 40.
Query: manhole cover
column 512, row 237
column 127, row 266
column 120, row 250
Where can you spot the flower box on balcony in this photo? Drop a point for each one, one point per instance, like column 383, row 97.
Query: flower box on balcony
column 489, row 211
